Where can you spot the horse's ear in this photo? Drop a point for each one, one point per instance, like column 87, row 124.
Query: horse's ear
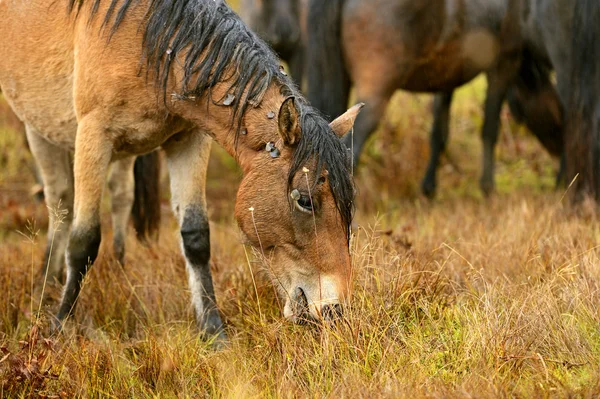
column 289, row 122
column 343, row 123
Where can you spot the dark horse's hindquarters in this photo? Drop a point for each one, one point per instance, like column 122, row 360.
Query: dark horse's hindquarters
column 384, row 45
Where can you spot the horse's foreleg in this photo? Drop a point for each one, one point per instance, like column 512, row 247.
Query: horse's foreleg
column 121, row 187
column 438, row 140
column 55, row 167
column 92, row 155
column 498, row 79
column 489, row 134
column 187, row 158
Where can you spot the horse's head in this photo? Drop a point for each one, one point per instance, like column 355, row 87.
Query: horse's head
column 294, row 206
column 275, row 21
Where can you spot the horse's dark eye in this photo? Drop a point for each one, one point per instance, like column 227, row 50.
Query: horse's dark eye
column 304, row 204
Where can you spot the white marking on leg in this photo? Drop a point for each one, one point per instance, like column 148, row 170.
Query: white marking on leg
column 196, row 288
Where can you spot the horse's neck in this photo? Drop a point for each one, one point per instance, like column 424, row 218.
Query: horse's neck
column 259, row 126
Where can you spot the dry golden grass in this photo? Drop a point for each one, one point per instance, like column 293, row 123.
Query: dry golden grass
column 458, row 297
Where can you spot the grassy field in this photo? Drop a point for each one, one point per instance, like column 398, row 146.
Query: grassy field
column 457, row 297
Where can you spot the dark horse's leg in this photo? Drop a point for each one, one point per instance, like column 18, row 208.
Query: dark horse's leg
column 499, row 79
column 438, row 139
column 187, row 157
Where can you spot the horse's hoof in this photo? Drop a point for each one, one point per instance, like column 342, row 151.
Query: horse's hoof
column 487, row 187
column 213, row 330
column 428, row 189
column 56, row 326
column 220, row 341
column 216, row 340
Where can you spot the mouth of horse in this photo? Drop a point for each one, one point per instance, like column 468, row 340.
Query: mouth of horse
column 301, row 313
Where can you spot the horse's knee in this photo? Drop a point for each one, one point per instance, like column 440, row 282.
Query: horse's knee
column 122, row 202
column 122, row 196
column 84, row 244
column 59, row 199
column 195, row 234
column 121, row 209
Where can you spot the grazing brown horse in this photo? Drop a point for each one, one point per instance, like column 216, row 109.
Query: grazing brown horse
column 428, row 46
column 281, row 24
column 114, row 78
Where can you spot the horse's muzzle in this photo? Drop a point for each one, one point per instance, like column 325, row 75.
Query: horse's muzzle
column 300, row 311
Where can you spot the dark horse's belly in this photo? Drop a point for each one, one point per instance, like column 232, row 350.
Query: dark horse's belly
column 442, row 70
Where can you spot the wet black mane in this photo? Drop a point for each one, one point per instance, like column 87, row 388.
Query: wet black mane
column 215, row 42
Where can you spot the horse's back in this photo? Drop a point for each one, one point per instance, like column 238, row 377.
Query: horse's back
column 71, row 66
column 36, row 66
column 421, row 45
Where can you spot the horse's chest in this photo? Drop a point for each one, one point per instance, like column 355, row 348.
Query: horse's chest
column 141, row 135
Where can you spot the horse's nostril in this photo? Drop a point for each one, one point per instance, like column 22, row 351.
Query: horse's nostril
column 332, row 312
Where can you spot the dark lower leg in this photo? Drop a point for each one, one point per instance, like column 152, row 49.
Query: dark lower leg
column 84, row 243
column 195, row 234
column 438, row 140
column 491, row 125
column 499, row 79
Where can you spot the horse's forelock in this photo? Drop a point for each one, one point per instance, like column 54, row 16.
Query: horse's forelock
column 319, row 143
